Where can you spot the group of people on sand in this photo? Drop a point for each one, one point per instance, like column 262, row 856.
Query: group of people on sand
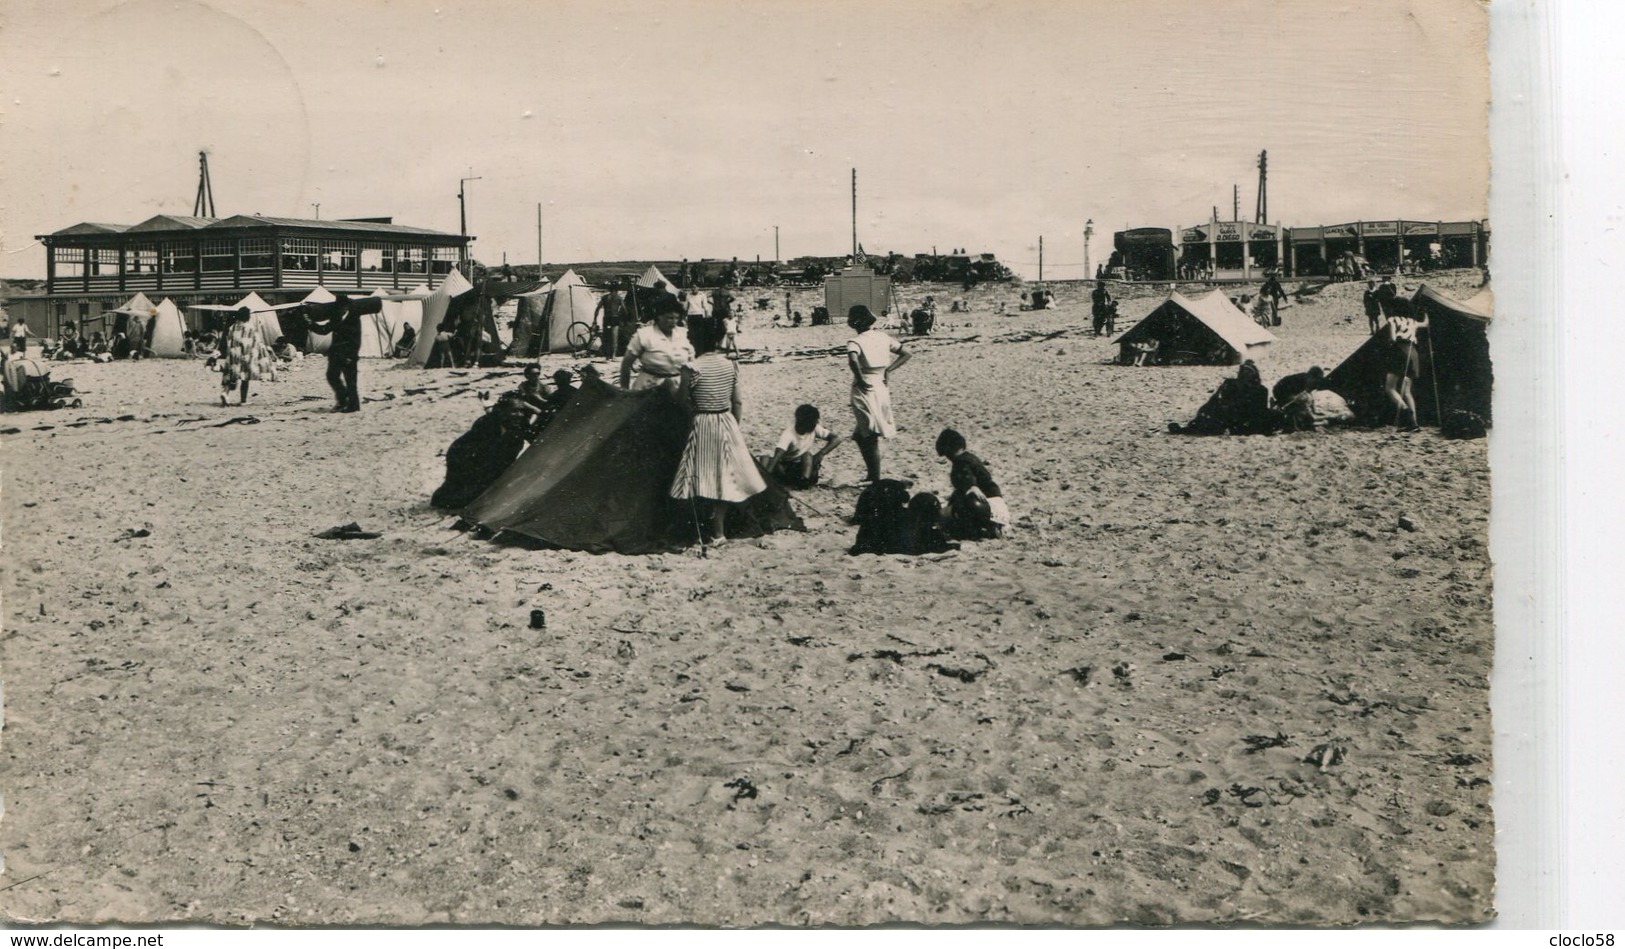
column 1243, row 406
column 717, row 469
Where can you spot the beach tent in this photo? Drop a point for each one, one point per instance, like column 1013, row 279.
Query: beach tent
column 166, row 334
column 316, row 342
column 1208, row 331
column 545, row 315
column 446, row 301
column 653, row 276
column 599, row 479
column 1454, row 352
column 265, row 318
column 377, row 339
column 526, row 320
column 137, row 305
column 133, row 319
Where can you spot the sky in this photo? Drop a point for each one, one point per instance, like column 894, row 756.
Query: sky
column 693, row 128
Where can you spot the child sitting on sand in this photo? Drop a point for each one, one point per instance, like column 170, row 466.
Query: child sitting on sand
column 795, row 459
column 970, row 474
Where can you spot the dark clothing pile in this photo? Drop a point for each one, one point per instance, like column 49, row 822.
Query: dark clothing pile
column 891, row 522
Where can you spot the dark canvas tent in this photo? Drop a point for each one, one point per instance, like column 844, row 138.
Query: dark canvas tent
column 598, row 480
column 1209, row 331
column 1455, row 362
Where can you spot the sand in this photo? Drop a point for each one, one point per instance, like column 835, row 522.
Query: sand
column 1103, row 718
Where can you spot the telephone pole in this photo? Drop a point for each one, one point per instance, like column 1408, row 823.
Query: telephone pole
column 203, row 205
column 776, row 257
column 1261, row 214
column 854, row 214
column 1040, row 257
column 462, row 204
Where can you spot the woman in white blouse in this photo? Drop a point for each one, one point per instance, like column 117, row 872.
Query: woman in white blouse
column 658, row 351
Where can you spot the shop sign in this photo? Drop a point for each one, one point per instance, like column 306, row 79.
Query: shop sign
column 1379, row 228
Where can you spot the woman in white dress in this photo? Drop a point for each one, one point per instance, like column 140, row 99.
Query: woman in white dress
column 872, row 356
column 716, row 464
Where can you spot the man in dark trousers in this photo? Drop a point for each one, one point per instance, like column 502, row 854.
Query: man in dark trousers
column 344, row 354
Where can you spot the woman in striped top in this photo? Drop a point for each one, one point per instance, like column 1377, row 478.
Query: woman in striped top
column 717, row 464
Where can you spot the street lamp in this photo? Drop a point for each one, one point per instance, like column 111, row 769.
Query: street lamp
column 1088, row 232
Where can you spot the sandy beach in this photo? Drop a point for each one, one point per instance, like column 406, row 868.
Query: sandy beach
column 1106, row 717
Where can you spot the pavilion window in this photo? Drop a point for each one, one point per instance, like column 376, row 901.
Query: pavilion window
column 142, row 258
column 218, row 256
column 378, row 259
column 70, row 262
column 257, row 253
column 414, row 260
column 179, row 258
column 300, row 253
column 339, row 256
column 103, row 261
column 445, row 258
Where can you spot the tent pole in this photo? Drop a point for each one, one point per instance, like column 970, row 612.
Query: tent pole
column 1433, row 376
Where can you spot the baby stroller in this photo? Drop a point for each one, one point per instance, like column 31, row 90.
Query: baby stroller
column 28, row 387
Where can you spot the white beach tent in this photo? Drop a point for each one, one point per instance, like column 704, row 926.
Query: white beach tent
column 434, row 310
column 377, row 340
column 265, row 318
column 137, row 305
column 653, row 276
column 317, row 342
column 568, row 300
column 168, row 335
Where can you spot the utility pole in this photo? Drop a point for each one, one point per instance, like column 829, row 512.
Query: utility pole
column 462, row 219
column 462, row 203
column 203, row 205
column 1088, row 232
column 854, row 214
column 317, row 207
column 1235, row 202
column 1040, row 257
column 776, row 257
column 538, row 240
column 1261, row 215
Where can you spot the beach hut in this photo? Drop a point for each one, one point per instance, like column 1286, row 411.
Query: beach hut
column 1206, row 331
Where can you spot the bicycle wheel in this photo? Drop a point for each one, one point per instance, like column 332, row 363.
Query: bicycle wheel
column 579, row 336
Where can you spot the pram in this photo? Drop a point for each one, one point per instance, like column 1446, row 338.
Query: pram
column 28, row 386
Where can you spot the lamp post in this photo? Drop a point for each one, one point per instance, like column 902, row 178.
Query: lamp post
column 1088, row 232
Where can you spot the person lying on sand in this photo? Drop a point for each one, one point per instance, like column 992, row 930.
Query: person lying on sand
column 1289, row 387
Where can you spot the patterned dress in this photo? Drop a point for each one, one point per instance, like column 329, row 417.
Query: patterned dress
column 247, row 357
column 716, row 461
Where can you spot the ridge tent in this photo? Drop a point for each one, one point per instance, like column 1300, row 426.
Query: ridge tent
column 133, row 319
column 526, row 320
column 653, row 276
column 166, row 335
column 1454, row 353
column 316, row 342
column 264, row 317
column 599, row 479
column 377, row 341
column 447, row 300
column 546, row 315
column 1208, row 331
column 137, row 305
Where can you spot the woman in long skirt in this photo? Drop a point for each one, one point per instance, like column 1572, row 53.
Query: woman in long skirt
column 717, row 464
column 247, row 358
